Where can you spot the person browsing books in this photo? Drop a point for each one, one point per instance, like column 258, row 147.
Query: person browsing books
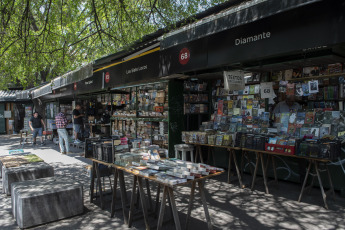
column 77, row 123
column 61, row 123
column 287, row 106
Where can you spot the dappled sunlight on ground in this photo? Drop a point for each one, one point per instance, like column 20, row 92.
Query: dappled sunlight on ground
column 230, row 207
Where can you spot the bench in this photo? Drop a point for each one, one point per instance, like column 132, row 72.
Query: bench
column 24, row 172
column 44, row 200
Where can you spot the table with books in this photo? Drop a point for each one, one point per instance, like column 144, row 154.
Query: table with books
column 313, row 162
column 232, row 156
column 168, row 174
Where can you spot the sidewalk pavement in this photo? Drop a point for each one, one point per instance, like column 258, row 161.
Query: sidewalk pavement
column 230, row 207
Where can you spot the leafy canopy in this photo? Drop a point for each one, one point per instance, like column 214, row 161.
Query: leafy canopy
column 42, row 39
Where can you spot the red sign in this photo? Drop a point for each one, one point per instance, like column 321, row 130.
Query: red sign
column 184, row 56
column 75, row 86
column 107, row 77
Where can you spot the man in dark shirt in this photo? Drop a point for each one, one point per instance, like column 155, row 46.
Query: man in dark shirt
column 36, row 124
column 77, row 122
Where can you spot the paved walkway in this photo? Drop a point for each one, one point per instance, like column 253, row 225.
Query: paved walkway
column 229, row 206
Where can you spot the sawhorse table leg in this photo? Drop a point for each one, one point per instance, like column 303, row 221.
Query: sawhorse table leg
column 259, row 157
column 232, row 155
column 204, row 203
column 116, row 176
column 315, row 163
column 138, row 180
column 95, row 172
column 198, row 153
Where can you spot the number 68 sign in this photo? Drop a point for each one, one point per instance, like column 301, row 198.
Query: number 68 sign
column 184, row 56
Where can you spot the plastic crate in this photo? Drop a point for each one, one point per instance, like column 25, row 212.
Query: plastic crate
column 284, row 149
column 107, row 153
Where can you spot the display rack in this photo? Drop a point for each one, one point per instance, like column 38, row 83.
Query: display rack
column 149, row 114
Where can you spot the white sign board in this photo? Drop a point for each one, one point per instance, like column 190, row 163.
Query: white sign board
column 8, row 114
column 266, row 89
column 234, row 80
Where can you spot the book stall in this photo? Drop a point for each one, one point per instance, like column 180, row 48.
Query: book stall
column 250, row 112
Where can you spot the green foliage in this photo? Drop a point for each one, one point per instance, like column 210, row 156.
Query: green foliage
column 42, row 39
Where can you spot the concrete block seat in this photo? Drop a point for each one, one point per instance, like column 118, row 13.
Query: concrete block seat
column 44, row 200
column 16, row 160
column 23, row 173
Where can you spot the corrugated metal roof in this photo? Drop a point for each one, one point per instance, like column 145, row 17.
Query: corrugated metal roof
column 8, row 95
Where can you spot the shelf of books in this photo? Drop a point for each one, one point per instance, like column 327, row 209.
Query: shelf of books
column 142, row 113
column 294, row 112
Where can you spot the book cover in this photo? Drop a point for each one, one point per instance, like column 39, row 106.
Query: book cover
column 282, row 86
column 277, row 75
column 220, row 107
column 335, row 117
column 288, row 74
column 325, row 129
column 233, row 127
column 154, row 155
column 292, row 118
column 305, row 132
column 341, row 132
column 335, row 68
column 311, row 71
column 298, row 90
column 252, row 89
column 246, row 90
column 315, row 131
column 249, row 103
column 291, row 130
column 272, row 140
column 257, row 89
column 260, row 112
column 254, row 112
column 277, row 118
column 237, row 111
column 342, row 118
column 249, row 112
column 313, row 86
column 284, row 119
column 291, row 142
column 297, row 73
column 309, row 118
column 256, row 104
column 327, row 117
column 305, row 88
column 290, row 89
column 243, row 104
column 318, row 120
column 256, row 77
column 334, row 130
column 219, row 140
column 230, row 104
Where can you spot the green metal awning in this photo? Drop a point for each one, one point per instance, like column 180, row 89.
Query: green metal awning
column 82, row 73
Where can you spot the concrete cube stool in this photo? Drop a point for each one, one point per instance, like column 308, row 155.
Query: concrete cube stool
column 44, row 200
column 184, row 148
column 25, row 172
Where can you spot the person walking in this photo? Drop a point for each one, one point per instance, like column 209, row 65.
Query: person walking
column 36, row 124
column 77, row 123
column 61, row 123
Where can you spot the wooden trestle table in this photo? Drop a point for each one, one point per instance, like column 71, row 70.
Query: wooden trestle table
column 168, row 193
column 313, row 162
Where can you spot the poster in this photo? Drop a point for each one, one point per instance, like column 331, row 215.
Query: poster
column 7, row 114
column 313, row 86
column 234, row 80
column 266, row 89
